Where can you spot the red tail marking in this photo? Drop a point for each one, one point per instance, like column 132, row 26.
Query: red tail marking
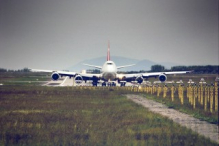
column 108, row 52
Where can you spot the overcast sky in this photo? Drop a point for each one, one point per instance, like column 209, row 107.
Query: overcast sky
column 56, row 34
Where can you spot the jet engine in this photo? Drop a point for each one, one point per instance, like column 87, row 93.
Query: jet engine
column 78, row 79
column 55, row 76
column 139, row 79
column 162, row 78
column 121, row 77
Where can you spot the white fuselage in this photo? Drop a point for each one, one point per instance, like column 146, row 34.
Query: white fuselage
column 109, row 71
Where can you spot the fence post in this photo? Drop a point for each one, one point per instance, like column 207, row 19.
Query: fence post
column 191, row 94
column 172, row 92
column 158, row 91
column 199, row 93
column 195, row 96
column 211, row 97
column 182, row 93
column 202, row 101
column 201, row 83
column 165, row 91
column 206, row 97
column 216, row 93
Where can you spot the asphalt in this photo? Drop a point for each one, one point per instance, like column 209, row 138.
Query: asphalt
column 66, row 81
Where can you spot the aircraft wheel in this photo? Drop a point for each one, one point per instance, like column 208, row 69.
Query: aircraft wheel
column 94, row 84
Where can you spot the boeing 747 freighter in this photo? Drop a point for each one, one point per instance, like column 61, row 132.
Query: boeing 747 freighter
column 109, row 75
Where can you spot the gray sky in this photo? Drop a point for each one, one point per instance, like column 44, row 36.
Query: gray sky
column 54, row 34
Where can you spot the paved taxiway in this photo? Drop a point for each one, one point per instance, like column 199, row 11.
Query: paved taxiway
column 66, row 81
column 61, row 82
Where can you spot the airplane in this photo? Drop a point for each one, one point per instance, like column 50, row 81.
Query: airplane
column 109, row 75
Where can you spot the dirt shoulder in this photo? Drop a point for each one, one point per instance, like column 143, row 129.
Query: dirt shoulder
column 201, row 127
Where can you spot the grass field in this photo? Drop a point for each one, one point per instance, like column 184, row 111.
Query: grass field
column 23, row 78
column 187, row 108
column 35, row 115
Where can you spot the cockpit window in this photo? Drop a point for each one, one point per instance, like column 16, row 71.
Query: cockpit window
column 109, row 63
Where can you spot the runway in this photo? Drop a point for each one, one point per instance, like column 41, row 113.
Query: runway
column 61, row 82
column 66, row 81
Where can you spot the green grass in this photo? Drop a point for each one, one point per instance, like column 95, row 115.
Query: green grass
column 33, row 115
column 187, row 108
column 23, row 78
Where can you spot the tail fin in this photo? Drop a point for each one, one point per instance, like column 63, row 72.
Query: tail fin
column 108, row 52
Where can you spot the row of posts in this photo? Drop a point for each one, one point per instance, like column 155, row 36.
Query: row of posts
column 203, row 94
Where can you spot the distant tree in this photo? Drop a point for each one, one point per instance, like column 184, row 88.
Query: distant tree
column 93, row 71
column 3, row 70
column 11, row 70
column 200, row 69
column 25, row 70
column 179, row 68
column 157, row 68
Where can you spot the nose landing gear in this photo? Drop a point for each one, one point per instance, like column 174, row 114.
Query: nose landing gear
column 109, row 84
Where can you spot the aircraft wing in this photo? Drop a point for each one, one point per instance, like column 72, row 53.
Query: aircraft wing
column 131, row 77
column 40, row 70
column 62, row 73
column 154, row 74
column 98, row 67
column 125, row 66
column 70, row 74
column 90, row 76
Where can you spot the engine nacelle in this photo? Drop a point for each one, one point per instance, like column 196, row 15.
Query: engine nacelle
column 78, row 79
column 139, row 79
column 120, row 78
column 55, row 76
column 162, row 78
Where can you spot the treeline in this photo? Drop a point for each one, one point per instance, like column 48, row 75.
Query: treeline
column 11, row 70
column 207, row 69
column 198, row 69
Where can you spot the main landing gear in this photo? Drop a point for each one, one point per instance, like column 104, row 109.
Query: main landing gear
column 94, row 84
column 104, row 84
column 122, row 84
column 112, row 84
column 109, row 84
